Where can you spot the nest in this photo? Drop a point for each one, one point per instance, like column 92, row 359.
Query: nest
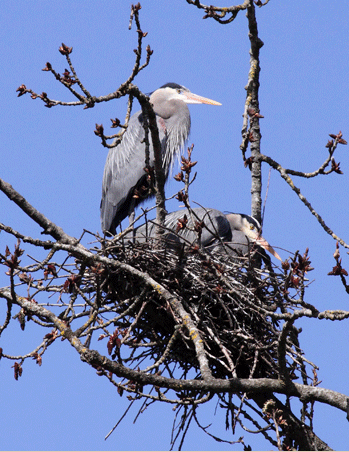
column 231, row 301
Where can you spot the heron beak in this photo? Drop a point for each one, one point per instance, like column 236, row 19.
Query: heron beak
column 254, row 237
column 190, row 98
column 264, row 244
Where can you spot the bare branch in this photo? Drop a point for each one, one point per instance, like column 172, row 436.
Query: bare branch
column 304, row 200
column 48, row 226
column 219, row 12
column 88, row 99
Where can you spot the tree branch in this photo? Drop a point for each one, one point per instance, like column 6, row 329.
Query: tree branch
column 48, row 226
column 304, row 200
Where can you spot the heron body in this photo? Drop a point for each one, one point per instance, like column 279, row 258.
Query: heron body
column 238, row 234
column 124, row 169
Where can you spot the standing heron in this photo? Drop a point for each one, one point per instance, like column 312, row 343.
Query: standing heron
column 237, row 232
column 124, row 169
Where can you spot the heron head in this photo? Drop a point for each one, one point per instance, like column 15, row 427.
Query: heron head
column 173, row 91
column 252, row 230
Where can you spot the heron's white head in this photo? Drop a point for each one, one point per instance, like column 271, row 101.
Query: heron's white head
column 173, row 91
column 252, row 230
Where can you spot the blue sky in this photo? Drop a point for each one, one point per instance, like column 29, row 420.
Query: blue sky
column 53, row 158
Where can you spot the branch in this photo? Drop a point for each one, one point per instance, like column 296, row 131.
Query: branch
column 331, row 146
column 150, row 119
column 88, row 99
column 213, row 11
column 234, row 385
column 251, row 111
column 304, row 200
column 48, row 226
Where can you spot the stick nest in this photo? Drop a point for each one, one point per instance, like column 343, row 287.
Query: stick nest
column 231, row 301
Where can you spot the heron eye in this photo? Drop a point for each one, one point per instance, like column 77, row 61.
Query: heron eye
column 179, row 90
column 252, row 227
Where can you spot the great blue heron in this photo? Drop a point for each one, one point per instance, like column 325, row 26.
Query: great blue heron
column 124, row 168
column 238, row 232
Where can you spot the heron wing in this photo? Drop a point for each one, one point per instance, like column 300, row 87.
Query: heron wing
column 215, row 221
column 123, row 172
column 217, row 227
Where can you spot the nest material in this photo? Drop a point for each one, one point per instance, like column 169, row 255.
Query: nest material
column 227, row 298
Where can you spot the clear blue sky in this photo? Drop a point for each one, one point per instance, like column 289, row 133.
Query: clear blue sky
column 53, row 158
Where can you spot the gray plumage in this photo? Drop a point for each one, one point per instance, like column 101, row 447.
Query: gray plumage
column 124, row 168
column 239, row 232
